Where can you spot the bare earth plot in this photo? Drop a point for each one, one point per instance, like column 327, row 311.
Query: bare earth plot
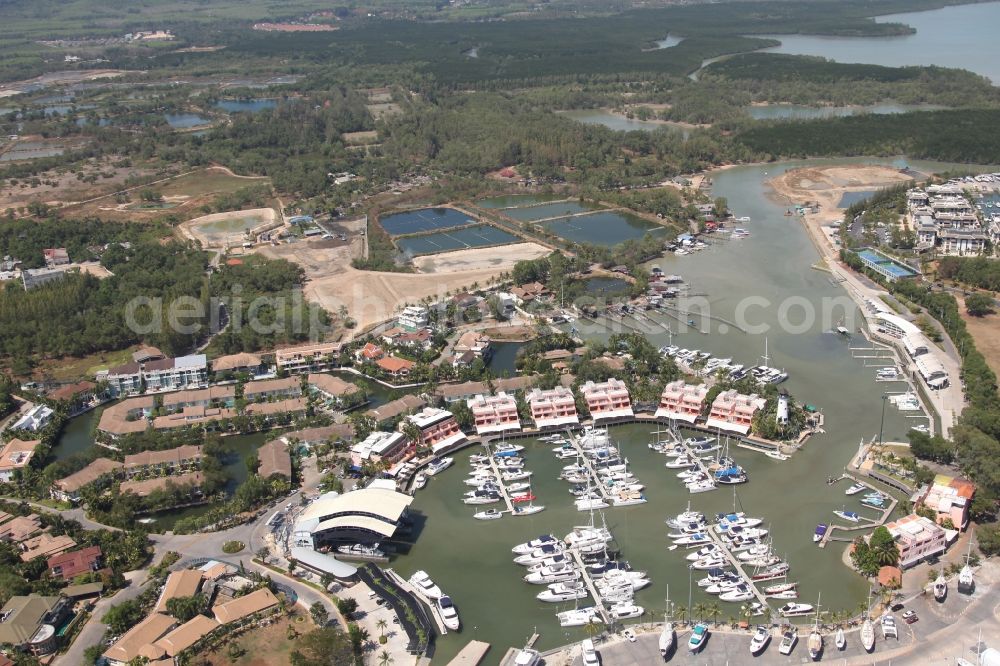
column 477, row 258
column 986, row 332
column 826, row 185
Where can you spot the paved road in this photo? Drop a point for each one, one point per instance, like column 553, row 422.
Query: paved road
column 76, row 514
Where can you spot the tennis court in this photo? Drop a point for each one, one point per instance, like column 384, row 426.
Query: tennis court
column 424, row 219
column 455, row 239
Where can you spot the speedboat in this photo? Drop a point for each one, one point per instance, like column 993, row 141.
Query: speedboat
column 578, row 617
column 438, row 465
column 698, row 637
column 527, row 657
column 556, row 596
column 528, row 546
column 841, row 640
column 625, row 611
column 488, row 514
column 761, row 637
column 704, row 551
column 740, row 593
column 780, row 587
column 586, row 504
column 868, row 635
column 848, row 515
column 686, row 518
column 794, row 610
column 940, row 588
column 551, row 575
column 820, row 532
column 527, row 510
column 888, row 623
column 420, row 481
column 448, row 612
column 788, row 641
column 539, row 554
column 786, row 594
column 815, row 644
column 425, row 586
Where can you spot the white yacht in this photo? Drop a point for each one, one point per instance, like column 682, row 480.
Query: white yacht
column 625, row 611
column 425, row 586
column 420, row 481
column 868, row 635
column 888, row 623
column 438, row 465
column 527, row 657
column 555, row 596
column 528, row 546
column 788, row 641
column 761, row 637
column 666, row 642
column 841, row 640
column 966, row 580
column 588, row 503
column 855, row 489
column 488, row 514
column 740, row 593
column 549, row 575
column 588, row 654
column 940, row 588
column 448, row 612
column 794, row 610
column 578, row 617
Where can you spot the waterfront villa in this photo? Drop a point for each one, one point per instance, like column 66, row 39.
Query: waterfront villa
column 553, row 408
column 394, row 366
column 734, row 411
column 274, row 459
column 144, row 488
column 465, row 391
column 412, row 318
column 34, row 419
column 171, row 374
column 333, row 390
column 607, row 400
column 917, row 538
column 950, row 498
column 45, row 545
column 213, row 396
column 475, row 343
column 494, row 413
column 398, row 407
column 682, row 401
column 380, row 446
column 315, row 357
column 127, row 416
column 439, row 430
column 365, row 515
column 14, row 455
column 321, row 435
column 161, row 463
column 271, row 389
column 68, row 488
column 123, row 379
column 77, row 397
column 30, row 622
column 370, row 352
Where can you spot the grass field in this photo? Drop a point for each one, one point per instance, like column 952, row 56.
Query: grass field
column 264, row 647
column 72, row 369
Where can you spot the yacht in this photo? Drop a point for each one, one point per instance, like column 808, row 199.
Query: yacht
column 888, row 623
column 841, row 640
column 529, row 546
column 529, row 510
column 695, row 539
column 700, row 486
column 704, row 551
column 482, row 497
column 698, row 637
column 516, row 476
column 552, row 575
column 625, row 611
column 685, row 518
column 815, row 643
column 786, row 594
column 761, row 637
column 666, row 641
column 507, row 449
column 425, row 586
column 587, row 504
column 940, row 588
column 488, row 514
column 820, row 532
column 966, row 580
column 448, row 612
column 776, row 455
column 578, row 617
column 788, row 641
column 420, row 482
column 848, row 515
column 556, row 596
column 779, row 588
column 868, row 635
column 527, row 657
column 438, row 465
column 794, row 610
column 539, row 554
column 770, row 573
column 740, row 593
column 588, row 654
column 855, row 489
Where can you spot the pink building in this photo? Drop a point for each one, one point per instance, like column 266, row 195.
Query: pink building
column 917, row 538
column 734, row 411
column 950, row 497
column 438, row 429
column 681, row 401
column 607, row 400
column 553, row 408
column 390, row 447
column 494, row 413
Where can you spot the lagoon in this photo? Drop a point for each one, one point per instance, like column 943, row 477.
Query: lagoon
column 803, row 112
column 185, row 120
column 621, row 123
column 607, row 228
column 246, row 105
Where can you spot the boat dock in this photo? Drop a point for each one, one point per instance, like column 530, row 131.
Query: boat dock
column 471, row 655
column 591, row 471
column 589, row 582
column 500, row 482
column 736, row 563
column 868, row 522
column 405, row 584
column 698, row 461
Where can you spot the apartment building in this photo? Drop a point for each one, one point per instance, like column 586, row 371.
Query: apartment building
column 553, row 408
column 917, row 538
column 314, row 357
column 213, row 396
column 334, row 391
column 163, row 463
column 681, row 401
column 734, row 411
column 123, row 379
column 412, row 318
column 607, row 400
column 68, row 489
column 950, row 498
column 390, row 447
column 172, row 374
column 272, row 389
column 494, row 413
column 439, row 430
column 475, row 343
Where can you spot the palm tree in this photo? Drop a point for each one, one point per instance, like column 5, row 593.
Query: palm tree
column 681, row 612
column 385, row 658
column 699, row 610
column 713, row 611
column 382, row 625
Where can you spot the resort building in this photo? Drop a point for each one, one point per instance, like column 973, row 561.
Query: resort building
column 494, row 413
column 138, row 642
column 315, row 357
column 607, row 400
column 395, row 367
column 553, row 408
column 366, row 515
column 34, row 419
column 281, row 407
column 68, row 489
column 412, row 317
column 274, row 459
column 389, row 447
column 30, row 623
column 182, row 583
column 338, row 432
column 213, row 396
column 45, row 545
column 76, row 396
column 251, row 364
column 127, row 416
column 162, row 463
column 439, row 430
column 950, row 498
column 194, row 416
column 123, row 379
column 144, row 488
column 370, row 352
column 396, row 408
column 272, row 389
column 917, row 538
column 245, row 606
column 15, row 455
column 474, row 343
column 21, row 528
column 171, row 374
column 186, row 635
column 333, row 390
column 734, row 411
column 69, row 565
column 945, row 220
column 681, row 401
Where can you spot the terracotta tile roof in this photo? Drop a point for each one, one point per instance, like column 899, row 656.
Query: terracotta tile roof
column 274, row 459
column 144, row 458
column 183, row 583
column 331, row 385
column 143, row 488
column 72, row 390
column 233, row 361
column 241, row 607
column 75, row 562
column 394, row 365
column 137, row 641
column 88, row 474
column 187, row 635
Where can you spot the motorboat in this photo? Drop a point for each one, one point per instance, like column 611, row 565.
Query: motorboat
column 698, row 637
column 868, row 635
column 693, row 539
column 518, row 487
column 704, row 551
column 776, row 455
column 587, row 504
column 556, row 596
column 786, row 594
column 795, row 610
column 527, row 657
column 770, row 573
column 680, row 462
column 940, row 588
column 516, row 476
column 438, row 465
column 820, row 532
column 488, row 514
column 361, row 550
column 758, row 642
column 778, row 588
column 555, row 561
column 588, row 654
column 889, row 628
column 425, row 586
column 841, row 640
column 549, row 575
column 849, row 516
column 701, row 486
column 754, row 552
column 740, row 593
column 685, row 518
column 539, row 554
column 529, row 510
column 578, row 617
column 711, row 562
column 628, row 498
column 966, row 580
column 625, row 611
column 874, row 502
column 420, row 481
column 815, row 644
column 483, row 497
column 449, row 614
column 666, row 641
column 505, row 448
column 523, row 496
column 788, row 640
column 529, row 546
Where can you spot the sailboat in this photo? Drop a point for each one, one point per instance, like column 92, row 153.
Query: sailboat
column 667, row 635
column 966, row 581
column 841, row 640
column 867, row 628
column 815, row 642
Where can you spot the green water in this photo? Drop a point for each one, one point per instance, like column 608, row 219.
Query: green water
column 514, row 200
column 604, row 228
column 502, row 361
column 471, row 560
column 802, row 112
column 621, row 123
column 231, row 225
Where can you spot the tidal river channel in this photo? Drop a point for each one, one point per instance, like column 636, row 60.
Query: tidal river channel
column 471, row 559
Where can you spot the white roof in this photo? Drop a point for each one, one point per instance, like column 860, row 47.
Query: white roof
column 679, row 416
column 323, row 562
column 388, row 504
column 357, row 522
column 192, row 361
column 726, row 425
column 907, row 327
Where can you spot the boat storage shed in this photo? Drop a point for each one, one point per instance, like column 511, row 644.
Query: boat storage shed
column 367, row 515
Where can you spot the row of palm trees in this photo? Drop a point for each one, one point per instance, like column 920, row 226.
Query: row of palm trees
column 700, row 612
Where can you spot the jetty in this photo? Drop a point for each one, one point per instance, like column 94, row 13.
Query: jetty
column 589, row 582
column 591, row 471
column 499, row 477
column 736, row 563
column 702, row 466
column 472, row 654
column 417, row 594
column 868, row 523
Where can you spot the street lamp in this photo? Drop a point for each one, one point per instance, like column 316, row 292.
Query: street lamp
column 882, row 421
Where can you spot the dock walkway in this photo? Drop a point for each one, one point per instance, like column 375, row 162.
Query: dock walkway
column 736, row 563
column 589, row 582
column 417, row 594
column 591, row 471
column 471, row 655
column 868, row 522
column 500, row 482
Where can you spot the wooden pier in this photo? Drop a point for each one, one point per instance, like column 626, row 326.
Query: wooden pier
column 472, row 654
column 698, row 461
column 736, row 563
column 589, row 582
column 869, row 522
